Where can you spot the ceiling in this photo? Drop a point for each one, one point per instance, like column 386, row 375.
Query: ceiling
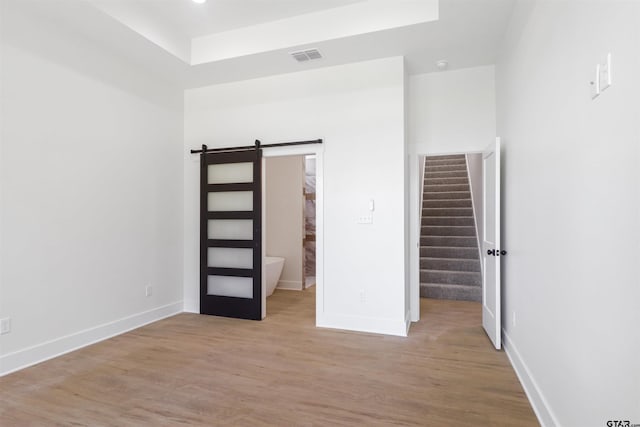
column 195, row 45
column 216, row 16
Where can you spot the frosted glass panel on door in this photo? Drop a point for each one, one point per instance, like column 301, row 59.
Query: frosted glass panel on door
column 230, row 201
column 230, row 257
column 229, row 286
column 235, row 229
column 227, row 173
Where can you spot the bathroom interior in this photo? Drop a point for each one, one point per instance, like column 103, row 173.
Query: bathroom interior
column 290, row 223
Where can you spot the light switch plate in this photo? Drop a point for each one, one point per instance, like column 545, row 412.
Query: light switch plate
column 595, row 84
column 605, row 73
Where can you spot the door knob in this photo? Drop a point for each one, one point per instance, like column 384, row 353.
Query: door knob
column 496, row 252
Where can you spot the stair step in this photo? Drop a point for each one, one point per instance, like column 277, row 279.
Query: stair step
column 457, row 264
column 445, row 162
column 447, row 203
column 446, row 157
column 449, row 263
column 427, row 195
column 451, row 292
column 450, row 277
column 445, row 174
column 446, row 180
column 452, row 241
column 448, row 221
column 447, row 212
column 445, row 188
column 446, row 168
column 448, row 252
column 448, row 230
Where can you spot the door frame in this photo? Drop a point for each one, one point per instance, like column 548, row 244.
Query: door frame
column 299, row 150
column 415, row 218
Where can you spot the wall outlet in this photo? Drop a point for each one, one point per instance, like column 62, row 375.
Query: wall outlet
column 148, row 290
column 513, row 319
column 363, row 296
column 5, row 326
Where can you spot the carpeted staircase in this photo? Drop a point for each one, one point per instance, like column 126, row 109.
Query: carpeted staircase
column 449, row 258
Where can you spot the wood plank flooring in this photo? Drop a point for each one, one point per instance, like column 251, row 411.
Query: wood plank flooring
column 194, row 370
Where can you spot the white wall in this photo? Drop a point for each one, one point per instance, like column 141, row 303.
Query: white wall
column 449, row 112
column 474, row 165
column 571, row 209
column 358, row 110
column 407, row 210
column 452, row 111
column 91, row 191
column 284, row 179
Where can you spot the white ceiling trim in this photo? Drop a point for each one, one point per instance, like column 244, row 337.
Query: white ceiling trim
column 354, row 19
column 467, row 33
column 159, row 32
column 347, row 21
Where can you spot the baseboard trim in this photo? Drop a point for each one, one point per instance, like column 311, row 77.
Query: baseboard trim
column 540, row 406
column 30, row 356
column 363, row 324
column 290, row 285
column 191, row 306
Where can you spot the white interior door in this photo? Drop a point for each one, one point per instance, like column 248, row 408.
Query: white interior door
column 491, row 251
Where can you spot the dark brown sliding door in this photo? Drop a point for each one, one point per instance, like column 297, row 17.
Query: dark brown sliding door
column 230, row 234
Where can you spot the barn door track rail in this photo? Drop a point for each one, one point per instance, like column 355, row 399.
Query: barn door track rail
column 258, row 145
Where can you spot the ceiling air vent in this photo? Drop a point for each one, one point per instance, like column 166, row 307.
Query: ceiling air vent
column 306, row 55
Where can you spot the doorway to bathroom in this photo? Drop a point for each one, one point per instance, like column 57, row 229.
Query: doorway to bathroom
column 292, row 224
column 309, row 238
column 233, row 246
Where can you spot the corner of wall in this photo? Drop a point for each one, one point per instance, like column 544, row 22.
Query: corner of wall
column 373, row 325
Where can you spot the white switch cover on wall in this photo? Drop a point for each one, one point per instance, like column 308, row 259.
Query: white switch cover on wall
column 595, row 84
column 605, row 73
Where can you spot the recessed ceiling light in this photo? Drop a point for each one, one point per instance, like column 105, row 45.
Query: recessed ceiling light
column 199, row 1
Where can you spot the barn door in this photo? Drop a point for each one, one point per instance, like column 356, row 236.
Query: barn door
column 230, row 234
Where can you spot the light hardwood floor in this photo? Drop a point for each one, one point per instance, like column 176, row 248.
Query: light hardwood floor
column 202, row 370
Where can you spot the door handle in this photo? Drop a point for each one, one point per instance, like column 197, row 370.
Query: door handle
column 496, row 252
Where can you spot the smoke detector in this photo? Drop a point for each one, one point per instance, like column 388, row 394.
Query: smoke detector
column 306, row 55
